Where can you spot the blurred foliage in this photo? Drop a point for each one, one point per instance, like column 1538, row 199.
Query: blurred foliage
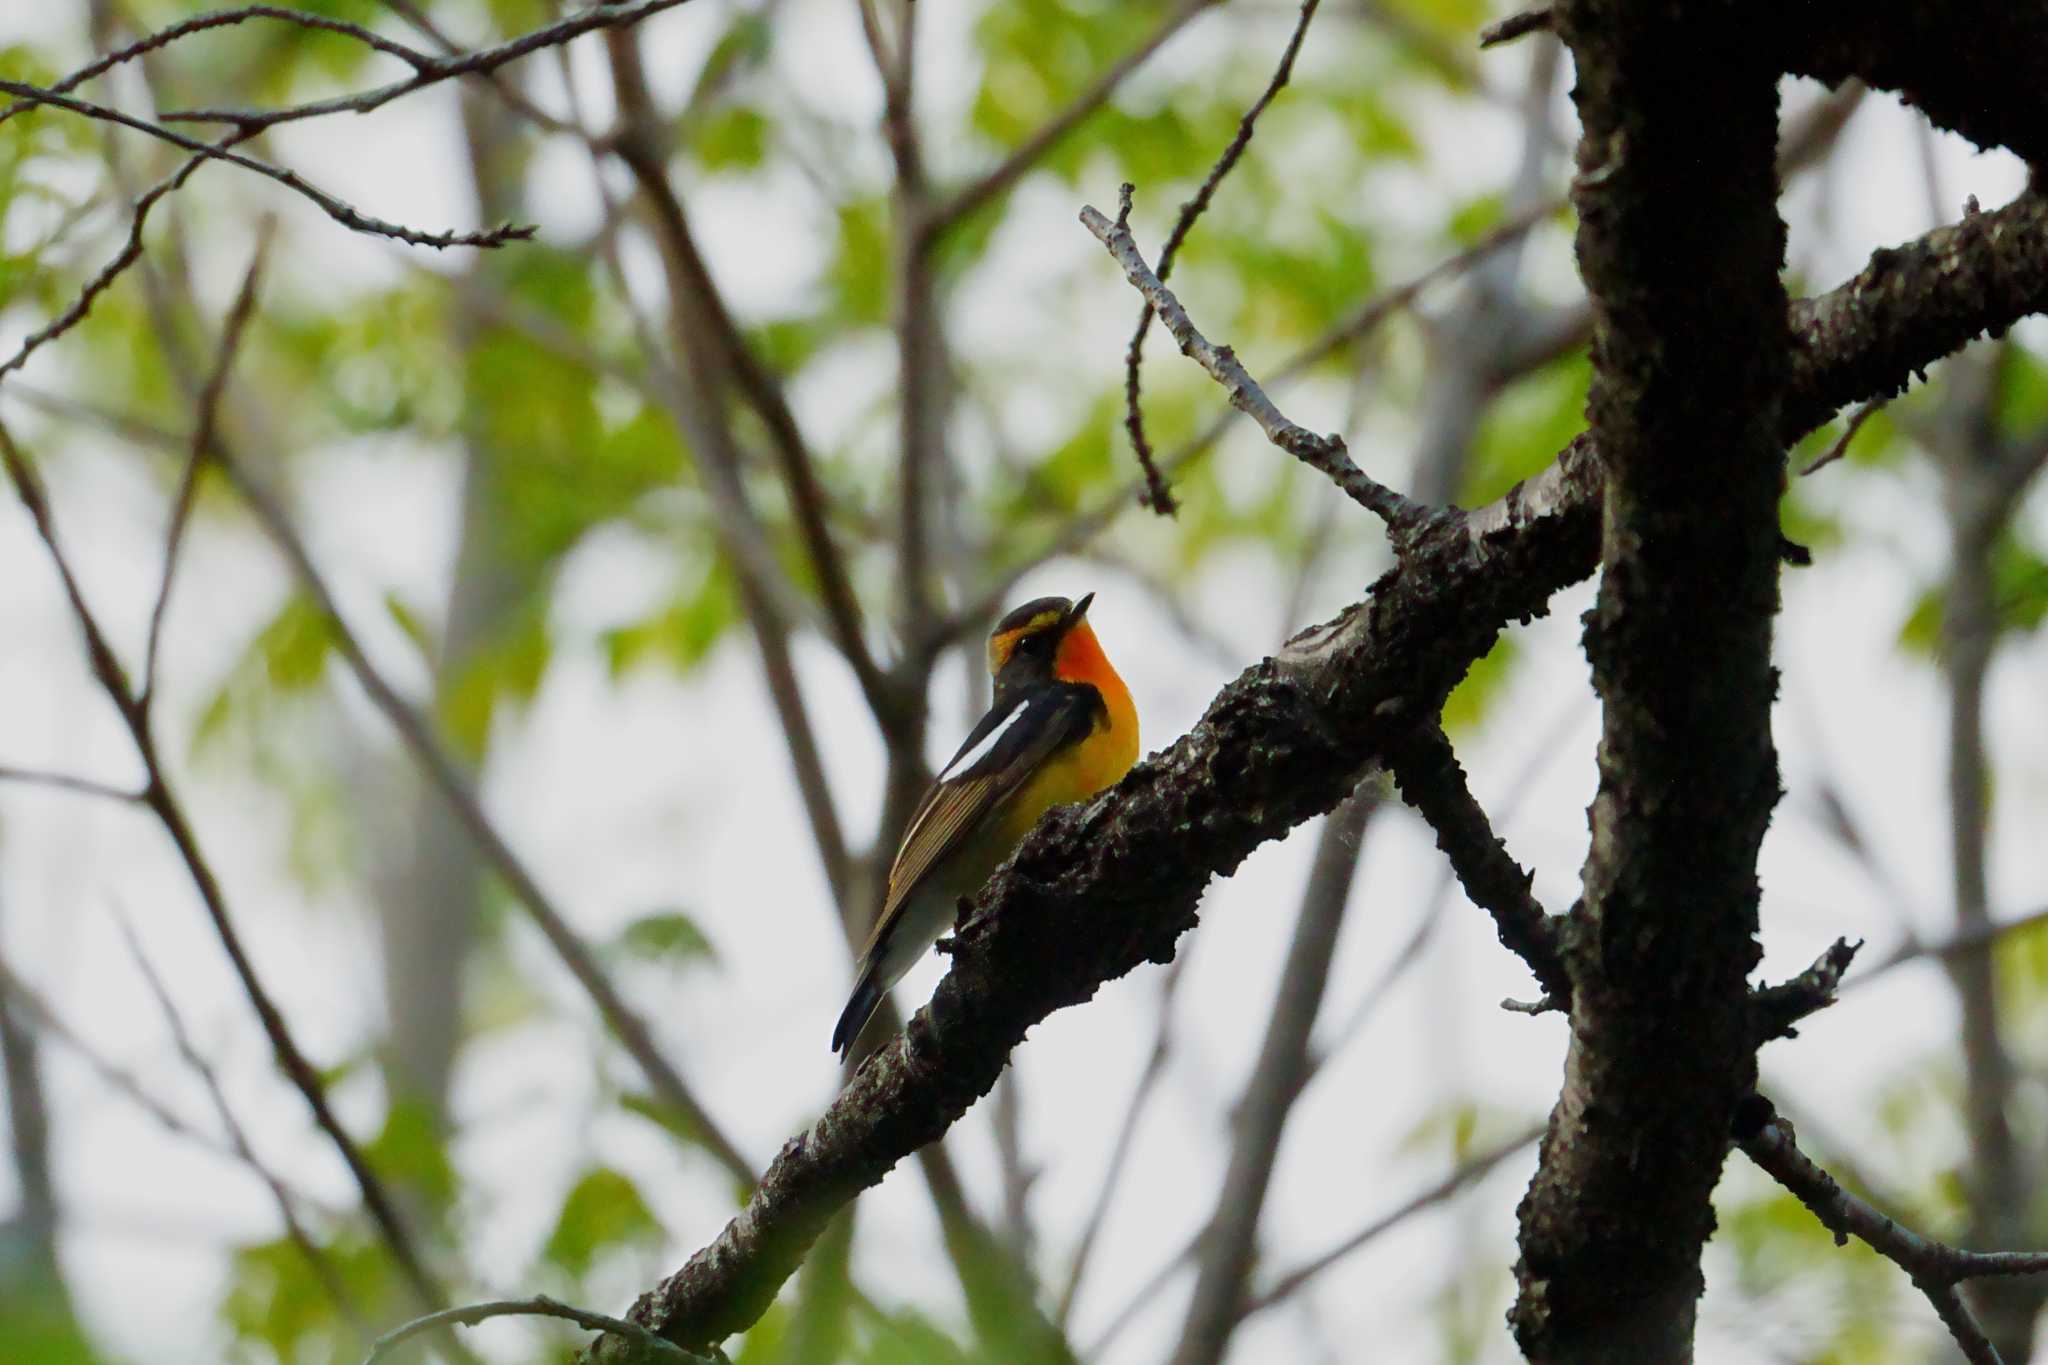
column 665, row 938
column 602, row 1212
column 277, row 1301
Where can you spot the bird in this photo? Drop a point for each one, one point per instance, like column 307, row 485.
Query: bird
column 1061, row 728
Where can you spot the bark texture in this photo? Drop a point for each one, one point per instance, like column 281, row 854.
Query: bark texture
column 1681, row 246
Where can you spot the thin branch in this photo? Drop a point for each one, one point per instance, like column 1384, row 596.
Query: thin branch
column 200, row 23
column 1227, row 1245
column 1964, row 940
column 1120, row 1150
column 161, row 799
column 539, row 1306
column 130, row 252
column 1091, row 521
column 1934, row 1267
column 692, row 389
column 238, row 1138
column 1288, row 1282
column 121, row 1082
column 1157, row 495
column 1841, row 446
column 762, row 390
column 1326, row 454
column 83, row 786
column 195, row 455
column 431, row 70
column 1434, row 784
column 338, row 209
column 1033, row 149
column 448, row 778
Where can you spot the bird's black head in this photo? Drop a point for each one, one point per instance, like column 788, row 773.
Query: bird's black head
column 1025, row 643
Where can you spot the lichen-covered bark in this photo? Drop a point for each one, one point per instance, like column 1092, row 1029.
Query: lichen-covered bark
column 1681, row 247
column 1096, row 891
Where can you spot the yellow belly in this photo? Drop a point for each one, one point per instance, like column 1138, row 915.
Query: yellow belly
column 1075, row 775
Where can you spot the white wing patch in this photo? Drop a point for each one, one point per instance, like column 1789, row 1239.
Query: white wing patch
column 965, row 762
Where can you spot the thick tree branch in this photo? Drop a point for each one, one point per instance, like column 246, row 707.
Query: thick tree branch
column 1975, row 66
column 1283, row 742
column 1691, row 359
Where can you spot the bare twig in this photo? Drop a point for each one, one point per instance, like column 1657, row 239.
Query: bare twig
column 1228, row 1243
column 763, row 392
column 539, row 1306
column 200, row 23
column 448, row 778
column 161, row 799
column 1935, row 1267
column 123, row 1083
column 431, row 70
column 1841, row 446
column 692, row 392
column 130, row 252
column 338, row 209
column 1516, row 26
column 1120, row 1150
column 195, row 455
column 238, row 1137
column 1157, row 495
column 1287, row 1282
column 1963, row 940
column 1323, row 453
column 1086, row 524
column 83, row 786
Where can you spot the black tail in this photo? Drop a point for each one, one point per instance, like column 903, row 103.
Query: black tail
column 866, row 996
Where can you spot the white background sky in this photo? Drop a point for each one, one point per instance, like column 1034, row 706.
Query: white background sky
column 628, row 797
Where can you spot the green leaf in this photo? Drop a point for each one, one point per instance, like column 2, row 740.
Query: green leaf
column 683, row 631
column 907, row 1337
column 277, row 1300
column 297, row 644
column 734, row 138
column 1482, row 685
column 602, row 1212
column 408, row 619
column 2019, row 599
column 411, row 1149
column 857, row 275
column 508, row 667
column 1523, row 431
column 666, row 938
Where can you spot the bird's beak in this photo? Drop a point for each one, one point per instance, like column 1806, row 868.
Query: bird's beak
column 1079, row 610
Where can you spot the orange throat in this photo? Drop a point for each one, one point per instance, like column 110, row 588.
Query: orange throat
column 1107, row 754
